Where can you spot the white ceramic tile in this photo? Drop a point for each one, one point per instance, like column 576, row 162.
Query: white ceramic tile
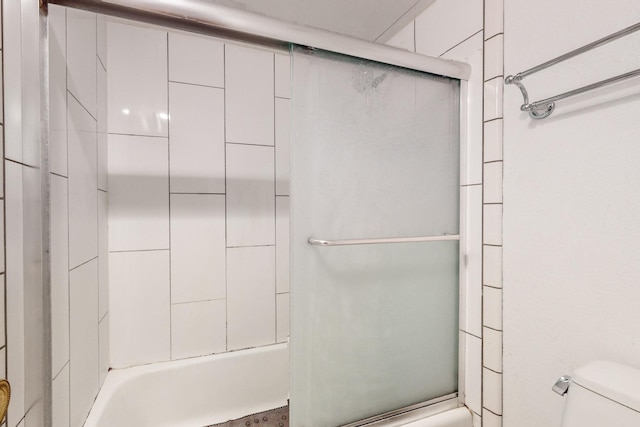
column 435, row 33
column 492, row 307
column 405, row 38
column 282, row 244
column 492, row 391
column 1, row 162
column 103, row 253
column 2, row 314
column 81, row 57
column 198, row 252
column 139, row 307
column 473, row 373
column 492, row 224
column 493, row 140
column 60, row 396
column 492, row 349
column 492, row 182
column 58, row 89
column 15, row 285
column 283, row 131
column 198, row 328
column 101, row 98
column 196, row 139
column 493, row 17
column 476, row 420
column 490, row 419
column 471, row 52
column 2, row 269
column 282, row 317
column 471, row 230
column 59, row 274
column 492, row 266
column 493, row 98
column 83, row 338
column 83, row 183
column 137, row 80
column 3, row 362
column 138, row 170
column 104, row 349
column 250, row 195
column 103, row 154
column 251, row 311
column 196, row 59
column 249, row 95
column 493, row 57
column 101, row 39
column 283, row 75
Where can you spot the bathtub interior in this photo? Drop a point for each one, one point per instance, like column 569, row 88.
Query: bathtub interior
column 194, row 392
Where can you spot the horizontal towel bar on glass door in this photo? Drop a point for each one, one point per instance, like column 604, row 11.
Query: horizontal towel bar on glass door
column 377, row 241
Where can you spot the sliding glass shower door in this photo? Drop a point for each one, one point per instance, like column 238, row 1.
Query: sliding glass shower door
column 375, row 154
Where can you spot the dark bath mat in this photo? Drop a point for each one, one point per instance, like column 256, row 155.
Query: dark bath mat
column 278, row 417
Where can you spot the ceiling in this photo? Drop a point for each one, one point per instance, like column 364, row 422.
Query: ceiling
column 373, row 20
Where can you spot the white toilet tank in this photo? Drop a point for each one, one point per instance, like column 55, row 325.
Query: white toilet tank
column 603, row 394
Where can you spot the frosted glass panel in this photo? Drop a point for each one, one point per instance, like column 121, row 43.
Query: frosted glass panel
column 375, row 153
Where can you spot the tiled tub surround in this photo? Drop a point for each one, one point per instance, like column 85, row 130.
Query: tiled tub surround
column 79, row 200
column 198, row 195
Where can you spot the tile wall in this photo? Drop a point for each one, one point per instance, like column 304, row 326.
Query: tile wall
column 492, row 214
column 79, row 201
column 3, row 332
column 476, row 39
column 198, row 195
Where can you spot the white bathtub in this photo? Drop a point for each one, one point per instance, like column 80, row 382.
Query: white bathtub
column 211, row 389
column 194, row 392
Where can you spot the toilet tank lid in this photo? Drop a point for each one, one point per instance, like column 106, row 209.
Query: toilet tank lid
column 614, row 381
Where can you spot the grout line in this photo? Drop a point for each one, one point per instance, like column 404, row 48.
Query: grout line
column 104, row 191
column 195, row 84
column 253, row 145
column 169, row 201
column 283, row 293
column 501, row 76
column 283, row 195
column 59, row 175
column 84, row 263
column 492, row 203
column 471, row 185
column 489, row 286
column 410, row 9
column 489, row 410
column 493, row 329
column 492, row 120
column 458, row 44
column 275, row 206
column 138, row 135
column 196, row 194
column 494, row 36
column 251, row 246
column 198, row 301
column 493, row 161
column 85, row 109
column 101, row 63
column 20, row 163
column 105, row 315
column 226, row 205
column 493, row 245
column 282, row 97
column 469, row 333
column 60, row 371
column 138, row 250
column 489, row 369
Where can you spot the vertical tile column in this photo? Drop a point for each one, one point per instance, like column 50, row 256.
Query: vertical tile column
column 492, row 209
column 3, row 343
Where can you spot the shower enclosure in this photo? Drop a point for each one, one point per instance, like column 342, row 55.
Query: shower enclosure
column 375, row 160
column 375, row 219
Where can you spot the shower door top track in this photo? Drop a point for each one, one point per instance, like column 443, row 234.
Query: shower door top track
column 221, row 21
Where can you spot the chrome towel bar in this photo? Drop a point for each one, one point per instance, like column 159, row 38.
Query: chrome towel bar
column 377, row 241
column 544, row 108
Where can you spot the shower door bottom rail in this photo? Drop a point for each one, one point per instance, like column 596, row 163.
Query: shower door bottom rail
column 410, row 413
column 382, row 240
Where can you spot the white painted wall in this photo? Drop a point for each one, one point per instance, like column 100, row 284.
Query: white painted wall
column 571, row 204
